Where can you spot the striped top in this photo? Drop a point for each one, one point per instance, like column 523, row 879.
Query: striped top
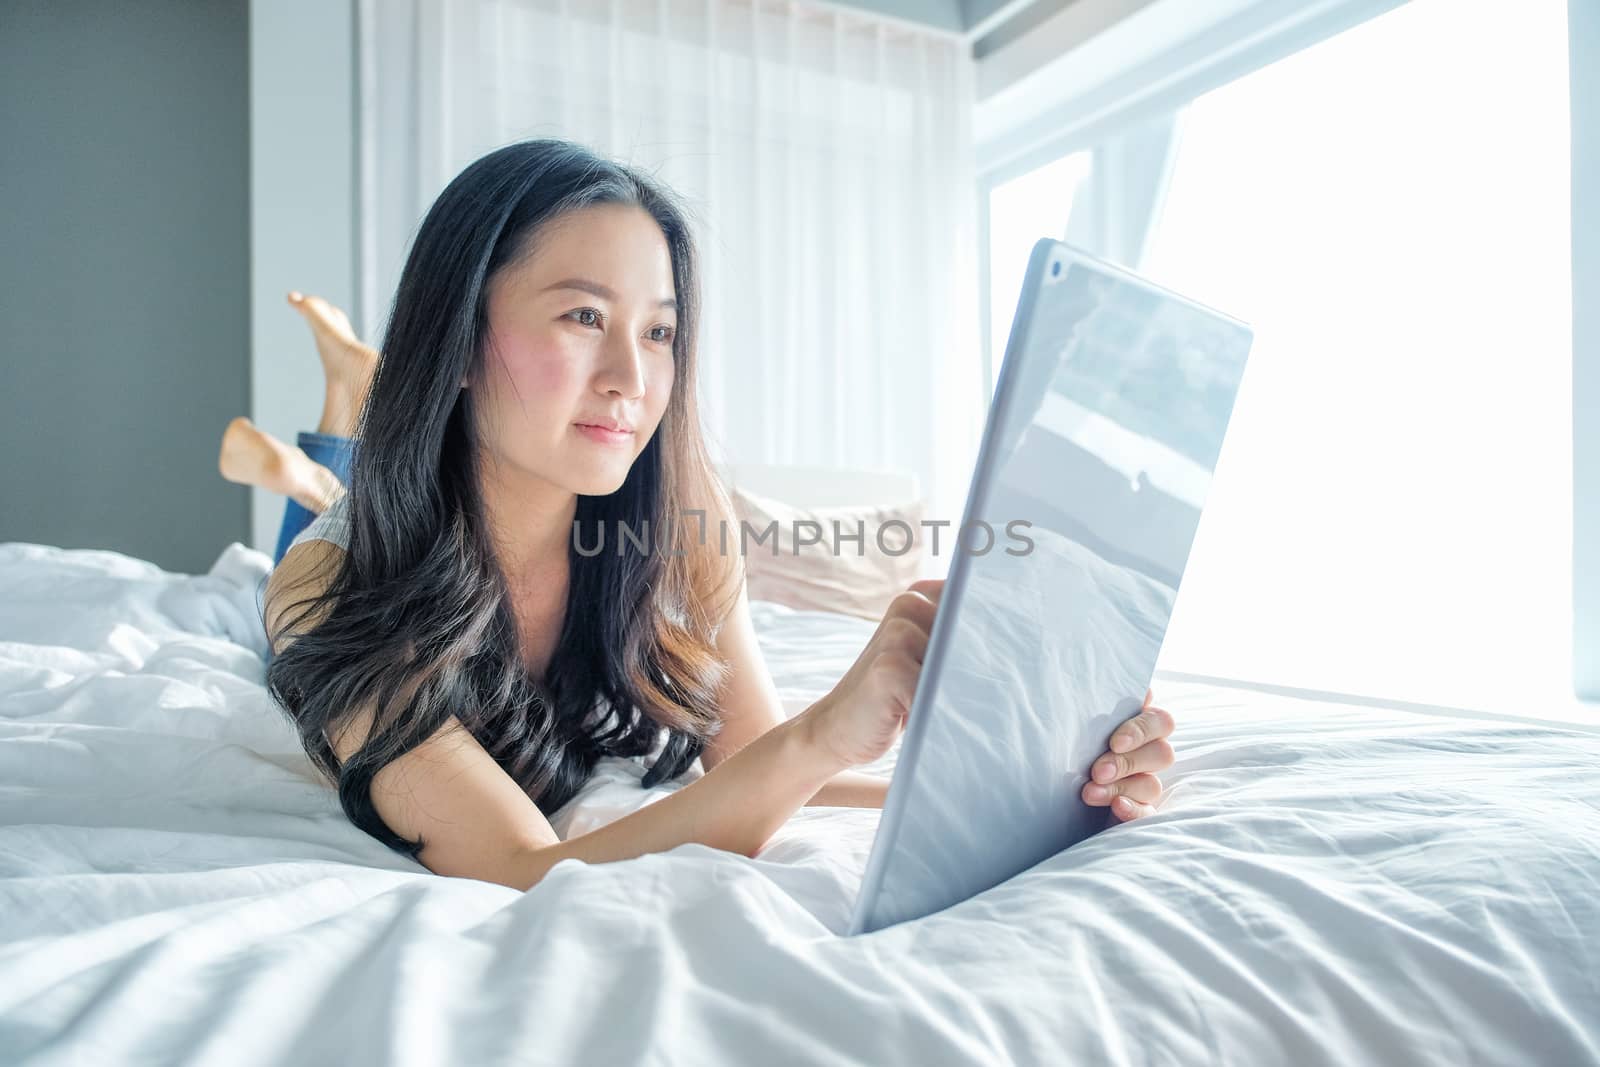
column 332, row 525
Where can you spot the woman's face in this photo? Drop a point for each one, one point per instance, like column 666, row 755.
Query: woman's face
column 580, row 332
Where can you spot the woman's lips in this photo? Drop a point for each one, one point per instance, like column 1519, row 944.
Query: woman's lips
column 603, row 435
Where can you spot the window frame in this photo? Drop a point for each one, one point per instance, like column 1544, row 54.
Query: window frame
column 1188, row 54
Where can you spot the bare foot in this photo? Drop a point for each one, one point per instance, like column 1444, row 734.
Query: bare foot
column 251, row 456
column 347, row 363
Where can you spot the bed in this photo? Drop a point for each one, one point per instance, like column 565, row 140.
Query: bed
column 1324, row 884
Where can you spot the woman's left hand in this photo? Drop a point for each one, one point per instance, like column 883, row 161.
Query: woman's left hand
column 1125, row 776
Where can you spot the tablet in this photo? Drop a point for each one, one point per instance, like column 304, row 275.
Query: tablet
column 1106, row 424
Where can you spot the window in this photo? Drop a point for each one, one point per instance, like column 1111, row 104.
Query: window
column 1021, row 211
column 1389, row 208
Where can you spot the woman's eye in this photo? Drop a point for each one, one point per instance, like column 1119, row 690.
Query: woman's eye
column 661, row 334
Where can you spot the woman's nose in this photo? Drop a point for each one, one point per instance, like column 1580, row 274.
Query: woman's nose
column 623, row 370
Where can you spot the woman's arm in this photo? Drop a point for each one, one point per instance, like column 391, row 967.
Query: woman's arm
column 476, row 822
column 750, row 707
column 852, row 789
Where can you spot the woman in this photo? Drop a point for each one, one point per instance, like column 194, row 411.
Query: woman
column 459, row 667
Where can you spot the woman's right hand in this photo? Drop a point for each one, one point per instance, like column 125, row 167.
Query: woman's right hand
column 859, row 720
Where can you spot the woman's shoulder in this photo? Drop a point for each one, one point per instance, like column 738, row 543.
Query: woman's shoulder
column 301, row 577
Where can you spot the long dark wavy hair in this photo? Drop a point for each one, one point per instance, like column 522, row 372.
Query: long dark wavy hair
column 415, row 621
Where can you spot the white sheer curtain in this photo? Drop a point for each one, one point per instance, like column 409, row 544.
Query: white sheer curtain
column 827, row 157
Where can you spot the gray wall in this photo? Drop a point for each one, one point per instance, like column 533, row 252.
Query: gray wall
column 124, row 273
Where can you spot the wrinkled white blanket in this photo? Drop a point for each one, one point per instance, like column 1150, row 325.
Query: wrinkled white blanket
column 1324, row 884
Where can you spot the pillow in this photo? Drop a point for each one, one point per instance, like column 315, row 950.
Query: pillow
column 859, row 579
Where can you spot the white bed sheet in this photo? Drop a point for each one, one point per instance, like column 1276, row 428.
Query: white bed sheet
column 1324, row 884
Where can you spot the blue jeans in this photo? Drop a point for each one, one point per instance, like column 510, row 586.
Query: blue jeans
column 333, row 452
